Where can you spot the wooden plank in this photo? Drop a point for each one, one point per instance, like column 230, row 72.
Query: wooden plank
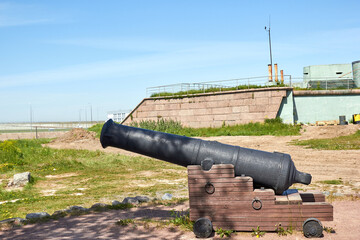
column 250, row 210
column 210, row 200
column 219, row 193
column 212, row 175
column 215, row 166
column 239, row 204
column 283, row 200
column 212, row 171
column 294, row 198
column 223, row 184
column 223, row 189
column 245, row 198
column 264, row 191
column 193, row 179
column 317, row 204
column 259, row 215
column 265, row 207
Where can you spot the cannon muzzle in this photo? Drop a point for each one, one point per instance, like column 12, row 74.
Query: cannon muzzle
column 274, row 170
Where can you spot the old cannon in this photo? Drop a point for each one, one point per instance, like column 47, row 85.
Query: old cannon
column 229, row 186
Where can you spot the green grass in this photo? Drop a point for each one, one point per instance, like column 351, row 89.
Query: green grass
column 96, row 128
column 209, row 90
column 350, row 142
column 79, row 177
column 333, row 182
column 273, row 127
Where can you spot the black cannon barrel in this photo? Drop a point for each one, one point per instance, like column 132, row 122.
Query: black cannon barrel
column 274, row 170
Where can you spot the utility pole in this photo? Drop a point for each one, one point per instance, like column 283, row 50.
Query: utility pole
column 91, row 119
column 268, row 30
column 31, row 120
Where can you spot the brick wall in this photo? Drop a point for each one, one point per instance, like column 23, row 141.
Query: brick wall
column 213, row 109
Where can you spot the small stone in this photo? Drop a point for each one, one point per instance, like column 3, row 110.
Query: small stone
column 19, row 221
column 115, row 203
column 59, row 214
column 20, row 179
column 77, row 209
column 98, row 206
column 39, row 215
column 11, row 221
column 326, row 193
column 142, row 198
column 338, row 194
column 167, row 196
column 130, row 200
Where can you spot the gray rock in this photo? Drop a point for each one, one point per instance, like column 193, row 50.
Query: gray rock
column 115, row 203
column 39, row 215
column 20, row 179
column 167, row 196
column 130, row 200
column 59, row 214
column 338, row 194
column 16, row 221
column 99, row 206
column 20, row 220
column 326, row 193
column 77, row 209
column 142, row 198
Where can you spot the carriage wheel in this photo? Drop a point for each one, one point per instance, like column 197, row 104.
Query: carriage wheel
column 203, row 228
column 312, row 228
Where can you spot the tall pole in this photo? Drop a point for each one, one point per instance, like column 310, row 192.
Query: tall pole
column 31, row 120
column 91, row 119
column 268, row 30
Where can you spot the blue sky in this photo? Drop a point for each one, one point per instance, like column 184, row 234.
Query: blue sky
column 64, row 57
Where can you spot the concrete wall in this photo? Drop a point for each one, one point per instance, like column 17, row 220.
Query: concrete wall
column 254, row 105
column 213, row 109
column 324, row 105
column 327, row 71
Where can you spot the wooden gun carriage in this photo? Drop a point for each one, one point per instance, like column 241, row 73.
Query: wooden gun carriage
column 218, row 199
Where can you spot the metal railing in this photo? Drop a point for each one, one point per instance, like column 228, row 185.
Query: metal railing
column 214, row 86
column 325, row 83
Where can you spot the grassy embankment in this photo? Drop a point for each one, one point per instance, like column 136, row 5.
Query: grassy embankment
column 209, row 90
column 62, row 178
column 240, row 87
column 350, row 142
column 273, row 127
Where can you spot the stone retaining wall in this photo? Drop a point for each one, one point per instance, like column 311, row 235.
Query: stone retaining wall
column 212, row 109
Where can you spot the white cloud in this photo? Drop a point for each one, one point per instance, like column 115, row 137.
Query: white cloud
column 201, row 55
column 13, row 14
